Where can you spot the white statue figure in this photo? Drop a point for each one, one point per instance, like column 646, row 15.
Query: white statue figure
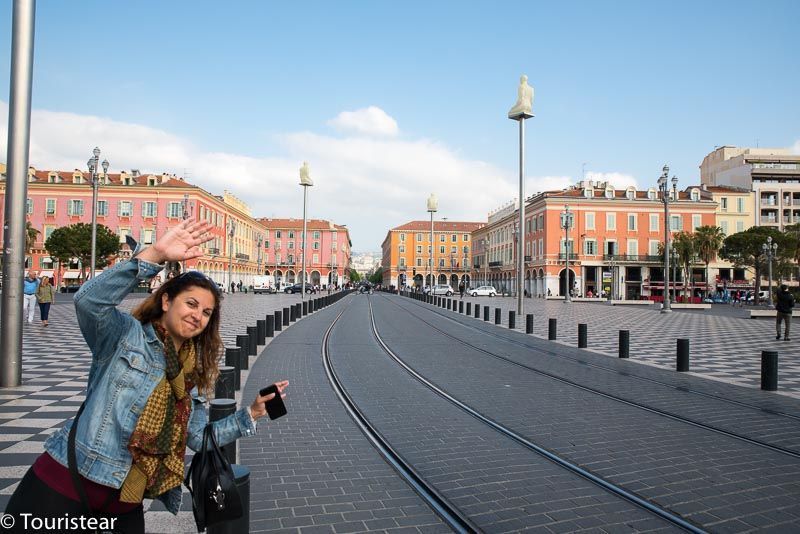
column 305, row 179
column 433, row 203
column 524, row 99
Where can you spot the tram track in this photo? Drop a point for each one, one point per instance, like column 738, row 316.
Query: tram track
column 680, row 418
column 562, row 462
column 450, row 514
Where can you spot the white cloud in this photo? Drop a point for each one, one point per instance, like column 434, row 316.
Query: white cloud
column 368, row 121
column 369, row 184
column 796, row 147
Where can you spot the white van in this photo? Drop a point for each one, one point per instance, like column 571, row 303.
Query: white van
column 264, row 284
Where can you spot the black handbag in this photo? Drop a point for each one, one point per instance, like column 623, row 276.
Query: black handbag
column 212, row 485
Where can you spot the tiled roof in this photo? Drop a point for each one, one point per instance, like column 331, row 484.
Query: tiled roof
column 726, row 189
column 441, row 226
column 115, row 179
column 297, row 224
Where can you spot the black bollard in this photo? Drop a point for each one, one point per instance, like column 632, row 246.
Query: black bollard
column 512, row 319
column 486, row 313
column 582, row 335
column 232, row 360
column 529, row 323
column 298, row 310
column 305, row 308
column 286, row 317
column 683, row 355
column 292, row 313
column 552, row 326
column 278, row 320
column 261, row 331
column 477, row 311
column 769, row 370
column 241, row 525
column 243, row 342
column 270, row 332
column 460, row 306
column 252, row 346
column 220, row 409
column 624, row 343
column 469, row 308
column 225, row 387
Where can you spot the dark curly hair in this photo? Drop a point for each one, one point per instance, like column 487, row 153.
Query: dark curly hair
column 209, row 342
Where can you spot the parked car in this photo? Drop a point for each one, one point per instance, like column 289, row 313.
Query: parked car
column 483, row 291
column 440, row 289
column 297, row 288
column 763, row 296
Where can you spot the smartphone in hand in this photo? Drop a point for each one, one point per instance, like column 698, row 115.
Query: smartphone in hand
column 275, row 407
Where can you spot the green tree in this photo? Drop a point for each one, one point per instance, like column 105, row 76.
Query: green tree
column 31, row 234
column 743, row 249
column 354, row 276
column 683, row 243
column 707, row 242
column 377, row 276
column 75, row 241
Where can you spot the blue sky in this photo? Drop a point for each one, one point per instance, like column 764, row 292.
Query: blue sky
column 389, row 102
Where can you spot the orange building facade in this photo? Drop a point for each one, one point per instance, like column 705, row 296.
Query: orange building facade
column 408, row 260
column 145, row 206
column 612, row 246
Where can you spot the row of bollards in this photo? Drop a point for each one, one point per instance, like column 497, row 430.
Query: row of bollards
column 237, row 359
column 769, row 359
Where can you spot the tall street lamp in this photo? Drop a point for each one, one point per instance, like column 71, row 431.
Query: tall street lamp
column 185, row 216
column 485, row 262
column 260, row 241
column 433, row 207
column 522, row 110
column 566, row 223
column 770, row 249
column 663, row 186
column 306, row 182
column 93, row 169
column 231, row 231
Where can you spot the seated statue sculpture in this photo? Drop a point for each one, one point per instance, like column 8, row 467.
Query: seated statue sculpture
column 305, row 178
column 524, row 103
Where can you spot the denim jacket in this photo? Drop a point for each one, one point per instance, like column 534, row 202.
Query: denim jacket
column 127, row 364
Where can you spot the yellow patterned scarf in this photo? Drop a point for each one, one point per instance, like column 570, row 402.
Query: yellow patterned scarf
column 158, row 443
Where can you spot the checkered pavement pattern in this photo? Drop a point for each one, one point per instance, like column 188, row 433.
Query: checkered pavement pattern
column 55, row 367
column 723, row 345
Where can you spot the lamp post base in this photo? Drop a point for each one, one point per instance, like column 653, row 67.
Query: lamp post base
column 666, row 310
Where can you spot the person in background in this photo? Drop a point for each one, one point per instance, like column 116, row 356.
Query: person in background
column 30, row 285
column 783, row 311
column 45, row 295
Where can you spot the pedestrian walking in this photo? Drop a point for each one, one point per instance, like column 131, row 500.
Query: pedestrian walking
column 461, row 289
column 155, row 283
column 30, row 285
column 233, row 287
column 783, row 312
column 45, row 295
column 143, row 405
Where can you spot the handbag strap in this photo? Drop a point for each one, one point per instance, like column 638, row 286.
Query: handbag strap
column 72, row 464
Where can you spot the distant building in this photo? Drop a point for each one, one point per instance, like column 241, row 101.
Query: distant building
column 407, row 258
column 327, row 259
column 772, row 174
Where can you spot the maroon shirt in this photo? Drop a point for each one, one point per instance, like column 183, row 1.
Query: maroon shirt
column 59, row 479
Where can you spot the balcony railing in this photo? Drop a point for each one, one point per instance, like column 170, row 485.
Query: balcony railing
column 495, row 263
column 769, row 220
column 213, row 251
column 633, row 258
column 528, row 258
column 241, row 256
column 572, row 256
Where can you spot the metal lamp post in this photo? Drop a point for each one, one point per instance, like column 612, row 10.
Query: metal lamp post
column 433, row 207
column 305, row 182
column 260, row 241
column 93, row 169
column 231, row 231
column 566, row 224
column 485, row 262
column 770, row 249
column 663, row 186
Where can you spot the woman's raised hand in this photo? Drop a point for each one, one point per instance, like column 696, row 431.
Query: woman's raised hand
column 180, row 243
